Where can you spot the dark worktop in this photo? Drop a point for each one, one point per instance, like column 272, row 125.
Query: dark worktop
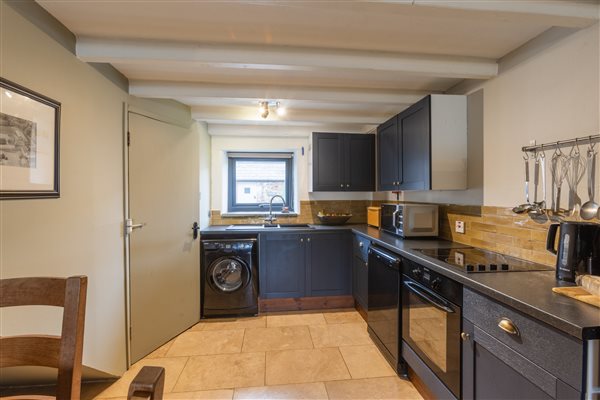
column 528, row 292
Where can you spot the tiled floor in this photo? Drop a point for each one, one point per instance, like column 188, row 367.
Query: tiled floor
column 314, row 355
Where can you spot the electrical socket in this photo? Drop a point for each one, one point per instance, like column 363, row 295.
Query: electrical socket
column 459, row 227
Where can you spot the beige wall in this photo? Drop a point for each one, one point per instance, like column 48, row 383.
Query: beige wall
column 79, row 233
column 205, row 179
column 554, row 95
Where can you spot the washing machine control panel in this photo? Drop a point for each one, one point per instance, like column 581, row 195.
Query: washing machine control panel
column 228, row 246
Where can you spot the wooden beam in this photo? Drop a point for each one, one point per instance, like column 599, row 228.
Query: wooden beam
column 92, row 49
column 182, row 90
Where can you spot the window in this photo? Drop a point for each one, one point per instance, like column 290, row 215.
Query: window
column 256, row 177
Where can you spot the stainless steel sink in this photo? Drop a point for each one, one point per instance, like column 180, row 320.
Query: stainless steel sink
column 252, row 227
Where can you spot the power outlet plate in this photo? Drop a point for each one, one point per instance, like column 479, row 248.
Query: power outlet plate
column 459, row 227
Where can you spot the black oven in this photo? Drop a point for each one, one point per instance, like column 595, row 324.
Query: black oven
column 431, row 322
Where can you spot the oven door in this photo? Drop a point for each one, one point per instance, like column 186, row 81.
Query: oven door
column 431, row 327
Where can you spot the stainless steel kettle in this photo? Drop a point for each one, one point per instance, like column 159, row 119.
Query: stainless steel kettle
column 578, row 249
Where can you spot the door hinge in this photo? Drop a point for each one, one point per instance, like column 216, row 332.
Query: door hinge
column 128, row 138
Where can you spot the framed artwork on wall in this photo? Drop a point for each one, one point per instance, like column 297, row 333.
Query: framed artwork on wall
column 29, row 143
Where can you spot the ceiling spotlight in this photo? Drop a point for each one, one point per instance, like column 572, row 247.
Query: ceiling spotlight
column 264, row 109
column 280, row 110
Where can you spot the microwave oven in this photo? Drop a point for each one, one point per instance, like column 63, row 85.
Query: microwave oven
column 410, row 220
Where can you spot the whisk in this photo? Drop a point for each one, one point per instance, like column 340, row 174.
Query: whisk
column 575, row 167
column 558, row 169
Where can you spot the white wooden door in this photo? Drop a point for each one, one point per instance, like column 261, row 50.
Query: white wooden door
column 164, row 257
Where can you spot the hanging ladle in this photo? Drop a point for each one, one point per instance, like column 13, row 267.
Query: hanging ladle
column 526, row 207
column 589, row 209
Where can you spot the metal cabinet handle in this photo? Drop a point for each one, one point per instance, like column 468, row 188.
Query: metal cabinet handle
column 465, row 336
column 302, row 239
column 341, row 185
column 508, row 326
column 360, row 244
column 308, row 240
column 348, row 185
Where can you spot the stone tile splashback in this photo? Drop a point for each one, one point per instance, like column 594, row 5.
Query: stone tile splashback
column 308, row 213
column 499, row 229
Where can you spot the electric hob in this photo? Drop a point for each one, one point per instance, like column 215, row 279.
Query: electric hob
column 471, row 259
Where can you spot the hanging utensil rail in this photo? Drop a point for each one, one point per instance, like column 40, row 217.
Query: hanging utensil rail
column 562, row 143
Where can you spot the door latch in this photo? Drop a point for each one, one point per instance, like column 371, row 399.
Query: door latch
column 130, row 226
column 195, row 230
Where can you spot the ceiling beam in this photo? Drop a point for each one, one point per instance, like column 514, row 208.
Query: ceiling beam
column 92, row 49
column 565, row 13
column 180, row 90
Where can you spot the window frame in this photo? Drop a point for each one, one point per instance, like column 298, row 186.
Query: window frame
column 232, row 206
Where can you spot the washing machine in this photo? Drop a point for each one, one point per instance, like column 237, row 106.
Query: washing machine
column 229, row 277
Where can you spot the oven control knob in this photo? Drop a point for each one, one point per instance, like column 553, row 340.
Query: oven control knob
column 417, row 273
column 436, row 283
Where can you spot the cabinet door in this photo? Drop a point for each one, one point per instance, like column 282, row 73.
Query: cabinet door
column 359, row 162
column 388, row 150
column 282, row 265
column 329, row 271
column 414, row 127
column 491, row 370
column 327, row 162
column 360, row 284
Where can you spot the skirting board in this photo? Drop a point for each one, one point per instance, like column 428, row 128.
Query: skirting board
column 305, row 303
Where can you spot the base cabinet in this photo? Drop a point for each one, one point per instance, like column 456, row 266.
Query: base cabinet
column 304, row 264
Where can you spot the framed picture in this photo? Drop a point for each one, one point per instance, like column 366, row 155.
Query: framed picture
column 29, row 143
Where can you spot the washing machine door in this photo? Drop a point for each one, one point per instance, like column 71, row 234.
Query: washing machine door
column 228, row 274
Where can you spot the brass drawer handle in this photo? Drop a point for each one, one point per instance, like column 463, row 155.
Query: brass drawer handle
column 508, row 326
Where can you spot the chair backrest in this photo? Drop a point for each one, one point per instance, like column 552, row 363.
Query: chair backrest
column 63, row 352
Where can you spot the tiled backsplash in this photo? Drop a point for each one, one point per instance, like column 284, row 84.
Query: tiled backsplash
column 499, row 229
column 308, row 213
column 493, row 228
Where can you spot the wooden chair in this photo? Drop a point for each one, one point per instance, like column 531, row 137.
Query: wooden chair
column 148, row 384
column 62, row 352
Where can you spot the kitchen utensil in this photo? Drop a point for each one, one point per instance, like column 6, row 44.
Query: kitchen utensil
column 590, row 208
column 558, row 169
column 578, row 249
column 575, row 173
column 525, row 207
column 539, row 207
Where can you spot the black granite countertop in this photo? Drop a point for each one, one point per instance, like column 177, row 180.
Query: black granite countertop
column 528, row 292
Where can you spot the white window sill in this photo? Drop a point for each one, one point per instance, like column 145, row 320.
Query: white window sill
column 256, row 214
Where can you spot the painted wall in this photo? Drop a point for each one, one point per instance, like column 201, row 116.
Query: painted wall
column 205, row 178
column 79, row 233
column 228, row 140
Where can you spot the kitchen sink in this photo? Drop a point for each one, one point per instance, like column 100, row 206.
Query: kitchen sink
column 252, row 227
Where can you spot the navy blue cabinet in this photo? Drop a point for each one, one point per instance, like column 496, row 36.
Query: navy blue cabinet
column 305, row 264
column 413, row 123
column 389, row 151
column 343, row 162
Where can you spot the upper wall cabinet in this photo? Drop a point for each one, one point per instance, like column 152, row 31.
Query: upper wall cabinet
column 343, row 162
column 425, row 146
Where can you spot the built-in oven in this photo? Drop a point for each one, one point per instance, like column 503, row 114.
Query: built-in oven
column 431, row 327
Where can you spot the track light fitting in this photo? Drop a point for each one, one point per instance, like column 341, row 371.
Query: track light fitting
column 263, row 108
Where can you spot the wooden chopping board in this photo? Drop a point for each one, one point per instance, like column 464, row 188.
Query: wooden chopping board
column 578, row 293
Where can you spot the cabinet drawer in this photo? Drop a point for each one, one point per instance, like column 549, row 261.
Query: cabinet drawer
column 552, row 350
column 361, row 247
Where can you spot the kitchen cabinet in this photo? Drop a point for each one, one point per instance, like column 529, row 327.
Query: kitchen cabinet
column 304, row 264
column 360, row 271
column 343, row 162
column 534, row 362
column 425, row 146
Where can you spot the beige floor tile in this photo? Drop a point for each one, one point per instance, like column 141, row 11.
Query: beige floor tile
column 173, row 367
column 343, row 317
column 300, row 366
column 224, row 371
column 366, row 362
column 334, row 335
column 307, row 391
column 230, row 323
column 195, row 343
column 295, row 319
column 374, row 388
column 224, row 394
column 161, row 351
column 279, row 338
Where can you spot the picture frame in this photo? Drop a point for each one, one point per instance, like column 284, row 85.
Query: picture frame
column 29, row 143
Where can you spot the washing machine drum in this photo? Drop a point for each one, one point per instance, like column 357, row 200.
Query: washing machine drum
column 228, row 274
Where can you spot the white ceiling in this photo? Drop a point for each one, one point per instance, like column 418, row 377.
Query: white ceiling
column 329, row 62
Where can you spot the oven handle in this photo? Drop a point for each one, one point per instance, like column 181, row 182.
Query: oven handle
column 427, row 297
